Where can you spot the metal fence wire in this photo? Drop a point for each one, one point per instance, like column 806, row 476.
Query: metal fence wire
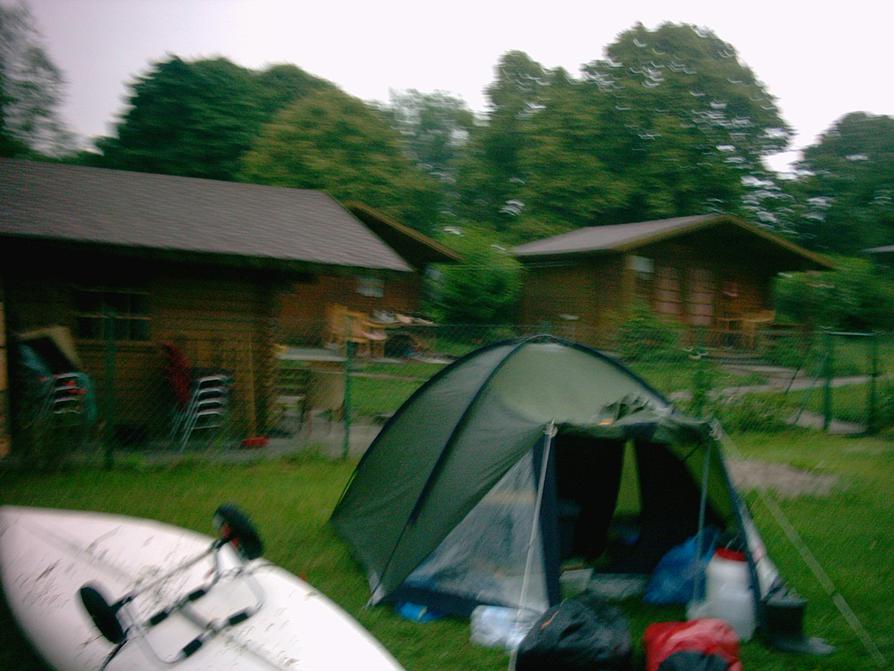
column 319, row 386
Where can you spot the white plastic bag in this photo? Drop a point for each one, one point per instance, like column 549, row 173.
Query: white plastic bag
column 496, row 626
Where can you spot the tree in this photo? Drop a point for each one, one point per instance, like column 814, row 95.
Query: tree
column 31, row 89
column 484, row 287
column 848, row 188
column 690, row 120
column 491, row 172
column 668, row 123
column 434, row 127
column 334, row 142
column 198, row 118
column 568, row 176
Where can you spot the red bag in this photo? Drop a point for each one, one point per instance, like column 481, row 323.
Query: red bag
column 700, row 644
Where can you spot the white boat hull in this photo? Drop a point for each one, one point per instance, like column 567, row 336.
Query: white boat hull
column 47, row 555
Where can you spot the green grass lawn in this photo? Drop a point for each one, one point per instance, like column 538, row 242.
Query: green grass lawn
column 851, row 533
column 849, row 404
column 671, row 376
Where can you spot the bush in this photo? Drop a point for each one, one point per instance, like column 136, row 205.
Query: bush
column 790, row 351
column 752, row 412
column 857, row 296
column 645, row 337
column 483, row 288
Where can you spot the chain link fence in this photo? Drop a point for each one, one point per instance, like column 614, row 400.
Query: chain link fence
column 320, row 387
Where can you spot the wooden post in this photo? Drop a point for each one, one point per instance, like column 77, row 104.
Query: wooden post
column 872, row 411
column 828, row 372
column 346, row 407
column 252, row 408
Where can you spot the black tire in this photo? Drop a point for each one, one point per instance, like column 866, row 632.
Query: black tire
column 235, row 526
column 103, row 614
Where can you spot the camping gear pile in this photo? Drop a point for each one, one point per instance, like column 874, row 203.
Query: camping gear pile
column 519, row 456
column 579, row 634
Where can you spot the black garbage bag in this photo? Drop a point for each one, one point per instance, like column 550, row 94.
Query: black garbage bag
column 580, row 634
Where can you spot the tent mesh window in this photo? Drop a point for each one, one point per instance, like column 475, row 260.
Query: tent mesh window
column 483, row 559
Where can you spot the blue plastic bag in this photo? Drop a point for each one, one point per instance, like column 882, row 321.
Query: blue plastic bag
column 673, row 580
column 416, row 612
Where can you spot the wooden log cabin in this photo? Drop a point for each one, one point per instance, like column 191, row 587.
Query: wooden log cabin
column 129, row 261
column 711, row 271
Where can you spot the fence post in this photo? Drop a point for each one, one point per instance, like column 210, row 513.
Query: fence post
column 872, row 410
column 828, row 371
column 701, row 386
column 346, row 407
column 109, row 384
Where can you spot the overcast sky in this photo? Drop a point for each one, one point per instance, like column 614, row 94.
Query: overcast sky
column 821, row 60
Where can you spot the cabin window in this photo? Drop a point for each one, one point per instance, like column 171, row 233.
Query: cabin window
column 643, row 269
column 643, row 266
column 371, row 287
column 125, row 312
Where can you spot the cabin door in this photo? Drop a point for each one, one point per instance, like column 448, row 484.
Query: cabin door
column 667, row 292
column 700, row 297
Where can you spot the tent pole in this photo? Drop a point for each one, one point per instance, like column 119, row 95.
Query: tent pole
column 703, row 504
column 549, row 433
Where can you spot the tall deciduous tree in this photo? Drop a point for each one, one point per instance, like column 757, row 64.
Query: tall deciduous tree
column 31, row 88
column 434, row 127
column 668, row 123
column 569, row 176
column 689, row 120
column 198, row 118
column 848, row 192
column 334, row 142
column 491, row 173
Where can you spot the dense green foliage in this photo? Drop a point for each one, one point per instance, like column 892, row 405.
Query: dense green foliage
column 855, row 296
column 643, row 336
column 484, row 287
column 848, row 193
column 491, row 172
column 198, row 118
column 336, row 143
column 434, row 128
column 669, row 122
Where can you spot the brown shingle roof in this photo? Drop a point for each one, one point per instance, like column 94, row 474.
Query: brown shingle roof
column 413, row 246
column 627, row 237
column 183, row 214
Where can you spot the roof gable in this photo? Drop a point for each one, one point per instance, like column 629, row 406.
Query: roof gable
column 183, row 214
column 620, row 238
column 414, row 247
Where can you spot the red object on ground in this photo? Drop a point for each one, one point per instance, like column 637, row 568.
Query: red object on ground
column 731, row 555
column 707, row 636
column 177, row 372
column 255, row 442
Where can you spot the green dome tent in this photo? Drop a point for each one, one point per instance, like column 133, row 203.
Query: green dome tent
column 512, row 458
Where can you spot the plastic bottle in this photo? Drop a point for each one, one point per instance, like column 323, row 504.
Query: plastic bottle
column 729, row 595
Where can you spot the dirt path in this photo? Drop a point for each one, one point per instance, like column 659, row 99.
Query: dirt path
column 787, row 481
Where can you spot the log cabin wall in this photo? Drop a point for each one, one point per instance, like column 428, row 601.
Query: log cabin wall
column 699, row 284
column 220, row 319
column 577, row 299
column 301, row 305
column 695, row 281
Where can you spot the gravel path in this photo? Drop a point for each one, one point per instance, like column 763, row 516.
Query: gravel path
column 787, row 481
